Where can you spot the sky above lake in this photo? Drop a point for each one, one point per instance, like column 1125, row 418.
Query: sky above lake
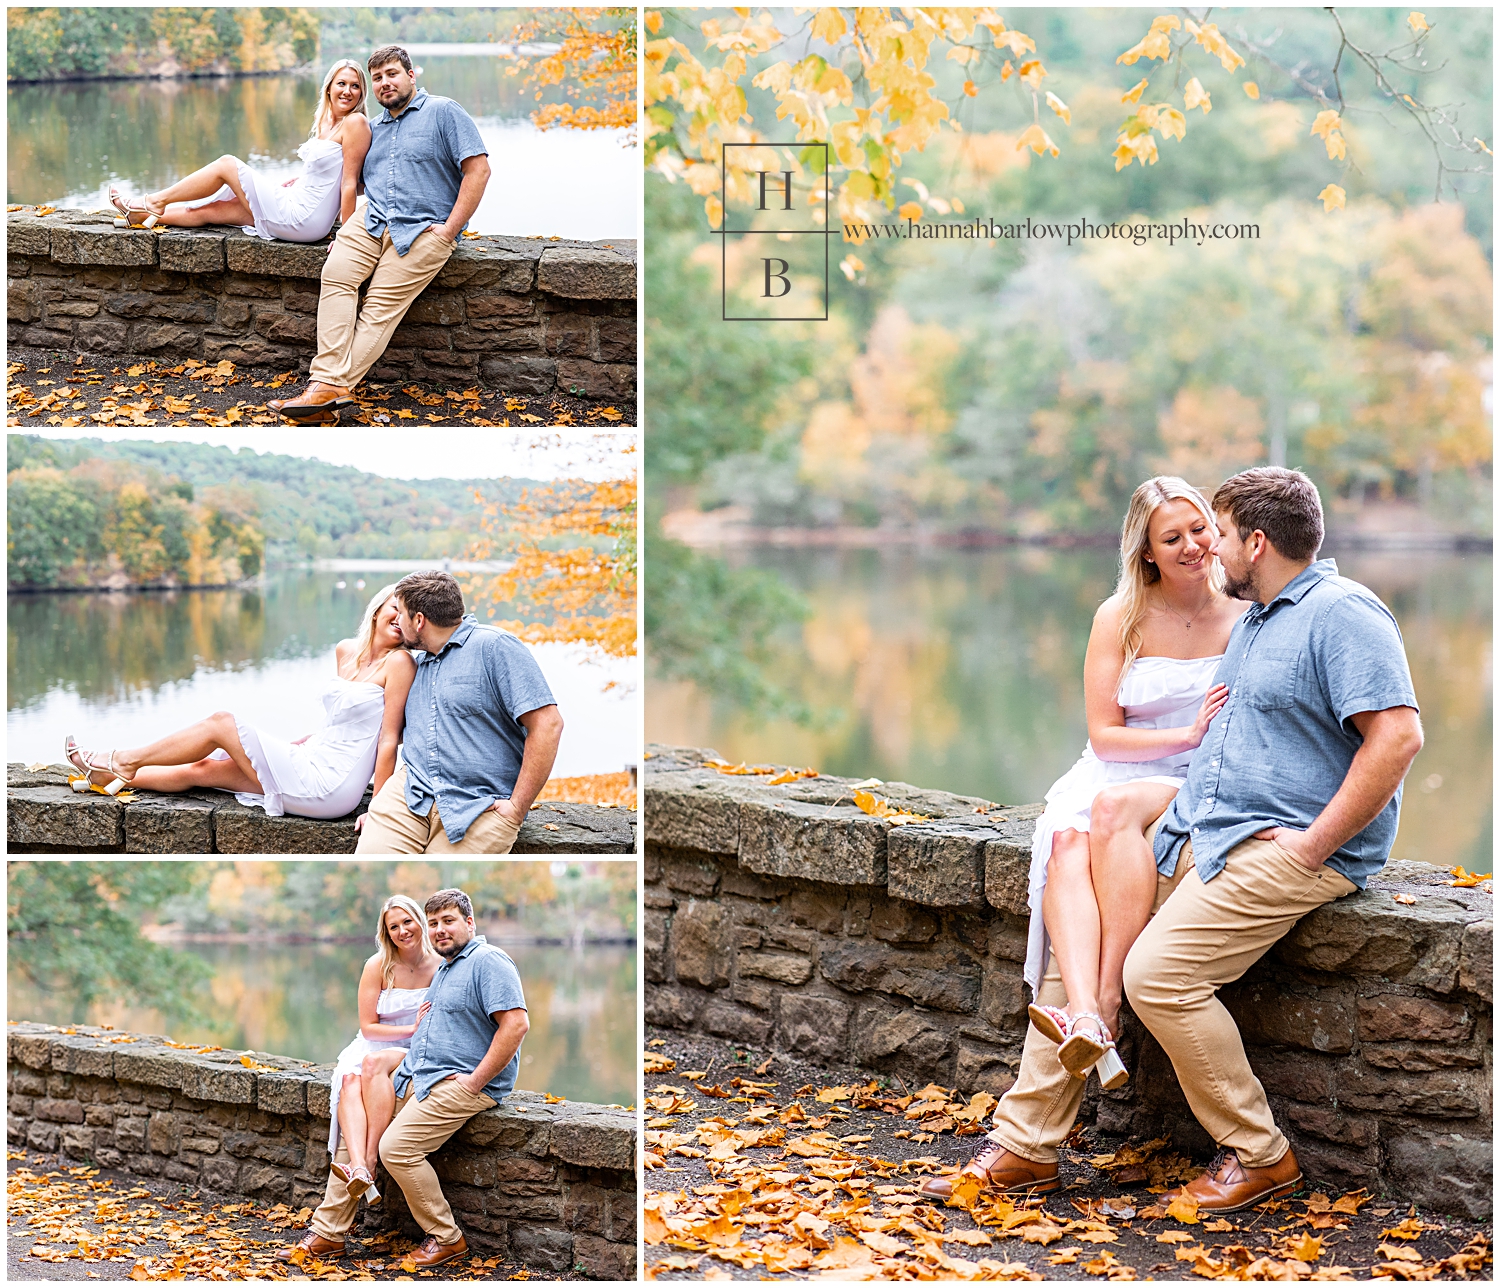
column 401, row 454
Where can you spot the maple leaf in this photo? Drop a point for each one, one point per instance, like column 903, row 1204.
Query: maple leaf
column 1184, row 1208
column 1332, row 198
column 1194, row 95
column 1417, row 22
column 1155, row 44
column 1061, row 108
column 1133, row 95
column 1036, row 138
column 1467, row 879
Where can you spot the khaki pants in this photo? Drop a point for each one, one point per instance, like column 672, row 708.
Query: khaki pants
column 1036, row 1114
column 391, row 827
column 351, row 339
column 1204, row 937
column 419, row 1128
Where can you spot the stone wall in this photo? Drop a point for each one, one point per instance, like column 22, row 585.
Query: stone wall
column 785, row 917
column 526, row 315
column 45, row 816
column 552, row 1185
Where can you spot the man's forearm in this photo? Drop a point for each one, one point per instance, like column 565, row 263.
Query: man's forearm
column 1374, row 775
column 537, row 759
column 470, row 192
column 503, row 1047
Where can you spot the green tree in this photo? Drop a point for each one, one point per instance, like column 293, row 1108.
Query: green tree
column 51, row 524
column 74, row 930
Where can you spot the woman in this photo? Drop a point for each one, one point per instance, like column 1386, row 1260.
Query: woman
column 227, row 191
column 323, row 775
column 392, row 1003
column 1149, row 697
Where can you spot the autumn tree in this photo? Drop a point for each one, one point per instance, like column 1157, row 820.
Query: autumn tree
column 868, row 82
column 594, row 67
column 560, row 589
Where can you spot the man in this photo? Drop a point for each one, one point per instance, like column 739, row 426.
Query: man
column 463, row 1060
column 1290, row 802
column 482, row 731
column 424, row 175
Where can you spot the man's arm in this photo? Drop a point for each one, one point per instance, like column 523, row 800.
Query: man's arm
column 511, row 1027
column 476, row 175
column 544, row 728
column 1392, row 739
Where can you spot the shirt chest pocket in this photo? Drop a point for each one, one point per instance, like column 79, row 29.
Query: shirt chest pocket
column 468, row 695
column 1270, row 678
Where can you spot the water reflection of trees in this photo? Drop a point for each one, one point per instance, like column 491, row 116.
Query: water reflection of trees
column 81, row 135
column 964, row 670
column 112, row 646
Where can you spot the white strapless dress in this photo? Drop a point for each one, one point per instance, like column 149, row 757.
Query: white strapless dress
column 1157, row 693
column 393, row 1006
column 326, row 776
column 303, row 212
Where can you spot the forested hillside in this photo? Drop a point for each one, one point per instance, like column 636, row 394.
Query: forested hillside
column 158, row 511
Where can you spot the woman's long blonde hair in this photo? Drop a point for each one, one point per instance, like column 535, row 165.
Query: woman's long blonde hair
column 366, row 632
column 325, row 108
column 389, row 954
column 1137, row 573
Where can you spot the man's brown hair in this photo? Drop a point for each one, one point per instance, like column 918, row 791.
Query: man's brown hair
column 1281, row 503
column 449, row 899
column 433, row 594
column 389, row 54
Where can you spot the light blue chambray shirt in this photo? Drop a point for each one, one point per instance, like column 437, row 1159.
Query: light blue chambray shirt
column 464, row 739
column 413, row 169
column 455, row 1034
column 1297, row 668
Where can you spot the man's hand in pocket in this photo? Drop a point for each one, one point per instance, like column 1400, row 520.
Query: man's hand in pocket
column 466, row 1081
column 442, row 231
column 508, row 811
column 1294, row 842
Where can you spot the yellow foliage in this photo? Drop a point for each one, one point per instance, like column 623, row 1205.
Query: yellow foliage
column 1252, row 90
column 1037, row 140
column 1194, row 95
column 1332, row 198
column 1061, row 108
column 1155, row 44
column 590, row 62
column 1210, row 434
column 577, row 594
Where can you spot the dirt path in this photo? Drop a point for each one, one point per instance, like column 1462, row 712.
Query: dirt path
column 768, row 1167
column 57, row 389
column 65, row 1221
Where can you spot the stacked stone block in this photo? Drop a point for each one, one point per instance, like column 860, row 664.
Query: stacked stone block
column 527, row 315
column 45, row 816
column 786, row 917
column 552, row 1185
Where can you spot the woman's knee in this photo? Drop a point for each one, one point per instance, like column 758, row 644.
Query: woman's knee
column 351, row 1083
column 1069, row 858
column 371, row 1067
column 1113, row 811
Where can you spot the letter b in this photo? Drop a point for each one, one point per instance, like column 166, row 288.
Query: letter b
column 780, row 276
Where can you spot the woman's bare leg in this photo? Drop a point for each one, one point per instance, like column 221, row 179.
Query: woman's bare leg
column 380, row 1095
column 181, row 749
column 201, row 183
column 1071, row 916
column 1124, row 871
column 352, row 1120
column 222, row 774
column 232, row 212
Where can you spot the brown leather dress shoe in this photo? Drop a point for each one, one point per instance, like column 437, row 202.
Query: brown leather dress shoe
column 315, row 1245
column 999, row 1170
column 432, row 1253
column 1230, row 1186
column 313, row 403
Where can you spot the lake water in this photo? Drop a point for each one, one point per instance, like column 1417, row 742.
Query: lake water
column 962, row 670
column 68, row 142
column 299, row 1000
column 123, row 669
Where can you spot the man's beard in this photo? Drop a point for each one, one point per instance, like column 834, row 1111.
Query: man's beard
column 1240, row 587
column 396, row 104
column 451, row 951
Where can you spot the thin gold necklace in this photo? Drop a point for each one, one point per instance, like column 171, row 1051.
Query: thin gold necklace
column 1187, row 622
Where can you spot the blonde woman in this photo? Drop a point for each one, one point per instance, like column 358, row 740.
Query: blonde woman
column 392, row 1004
column 1149, row 697
column 322, row 775
column 302, row 209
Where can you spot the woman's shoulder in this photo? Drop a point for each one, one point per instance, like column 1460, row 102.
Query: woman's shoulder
column 355, row 125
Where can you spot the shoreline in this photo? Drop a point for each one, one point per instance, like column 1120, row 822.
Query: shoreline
column 301, row 69
column 293, row 937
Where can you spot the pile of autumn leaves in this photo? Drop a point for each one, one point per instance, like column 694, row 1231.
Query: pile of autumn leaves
column 78, row 1217
column 814, row 1203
